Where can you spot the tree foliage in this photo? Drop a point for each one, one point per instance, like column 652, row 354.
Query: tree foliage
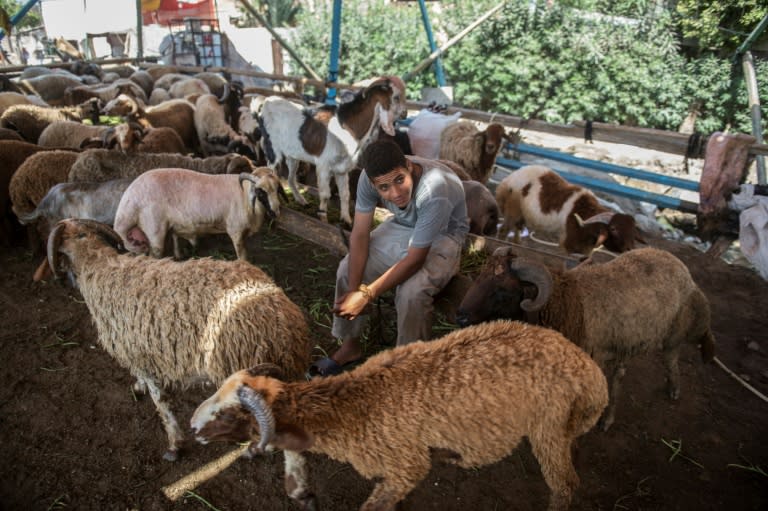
column 30, row 20
column 278, row 13
column 721, row 24
column 611, row 61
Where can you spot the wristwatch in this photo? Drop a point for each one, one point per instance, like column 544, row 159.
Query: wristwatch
column 366, row 292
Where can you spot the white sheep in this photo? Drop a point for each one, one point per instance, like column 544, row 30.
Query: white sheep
column 474, row 394
column 472, row 148
column 641, row 301
column 188, row 204
column 174, row 323
column 330, row 140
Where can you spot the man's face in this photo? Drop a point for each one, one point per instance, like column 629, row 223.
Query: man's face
column 395, row 186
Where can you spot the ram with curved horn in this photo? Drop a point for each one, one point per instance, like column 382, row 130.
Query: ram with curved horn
column 641, row 301
column 468, row 398
column 189, row 204
column 172, row 324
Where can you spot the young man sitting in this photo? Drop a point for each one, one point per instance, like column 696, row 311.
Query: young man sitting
column 416, row 251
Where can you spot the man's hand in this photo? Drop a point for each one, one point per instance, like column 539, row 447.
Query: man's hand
column 351, row 305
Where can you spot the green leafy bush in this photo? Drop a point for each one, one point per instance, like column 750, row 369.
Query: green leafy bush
column 551, row 62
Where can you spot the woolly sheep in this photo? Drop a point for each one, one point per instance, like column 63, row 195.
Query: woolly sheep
column 52, row 87
column 31, row 120
column 173, row 323
column 178, row 114
column 188, row 204
column 213, row 130
column 133, row 137
column 482, row 209
column 475, row 394
column 70, row 134
column 38, row 174
column 539, row 198
column 643, row 300
column 473, row 149
column 102, row 164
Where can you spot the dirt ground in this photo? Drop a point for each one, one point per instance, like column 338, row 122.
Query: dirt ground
column 74, row 436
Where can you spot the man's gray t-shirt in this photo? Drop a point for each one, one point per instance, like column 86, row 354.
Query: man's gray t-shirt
column 437, row 207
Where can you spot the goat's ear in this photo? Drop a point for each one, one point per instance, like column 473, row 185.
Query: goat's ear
column 293, row 438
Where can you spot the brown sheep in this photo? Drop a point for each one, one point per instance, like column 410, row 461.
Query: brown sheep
column 472, row 395
column 475, row 150
column 643, row 300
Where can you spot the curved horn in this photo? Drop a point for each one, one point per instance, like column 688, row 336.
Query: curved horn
column 257, row 405
column 225, row 93
column 538, row 275
column 503, row 251
column 54, row 241
column 244, row 176
column 579, row 220
column 134, row 106
column 602, row 218
column 106, row 231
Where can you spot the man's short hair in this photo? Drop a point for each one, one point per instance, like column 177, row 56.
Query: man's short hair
column 382, row 157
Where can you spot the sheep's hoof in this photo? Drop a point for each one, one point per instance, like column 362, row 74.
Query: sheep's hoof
column 323, row 216
column 171, row 455
column 605, row 423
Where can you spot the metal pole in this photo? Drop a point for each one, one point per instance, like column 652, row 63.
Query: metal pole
column 754, row 110
column 439, row 75
column 17, row 17
column 279, row 39
column 751, row 38
column 139, row 31
column 435, row 54
column 333, row 66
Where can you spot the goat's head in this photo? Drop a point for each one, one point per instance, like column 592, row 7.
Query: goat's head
column 266, row 189
column 617, row 232
column 371, row 105
column 123, row 104
column 506, row 288
column 242, row 407
column 494, row 136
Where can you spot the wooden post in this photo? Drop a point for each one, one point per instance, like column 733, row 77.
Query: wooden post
column 277, row 58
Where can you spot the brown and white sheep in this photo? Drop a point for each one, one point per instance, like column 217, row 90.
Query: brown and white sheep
column 537, row 197
column 189, row 204
column 641, row 301
column 474, row 394
column 174, row 323
column 473, row 149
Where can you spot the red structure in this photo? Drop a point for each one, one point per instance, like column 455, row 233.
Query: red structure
column 163, row 11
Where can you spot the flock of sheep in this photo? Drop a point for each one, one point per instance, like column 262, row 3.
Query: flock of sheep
column 541, row 352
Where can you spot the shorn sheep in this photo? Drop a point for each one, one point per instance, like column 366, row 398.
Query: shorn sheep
column 641, row 301
column 189, row 204
column 537, row 197
column 174, row 323
column 472, row 148
column 331, row 140
column 473, row 395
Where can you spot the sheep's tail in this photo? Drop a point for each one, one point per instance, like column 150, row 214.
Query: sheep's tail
column 708, row 347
